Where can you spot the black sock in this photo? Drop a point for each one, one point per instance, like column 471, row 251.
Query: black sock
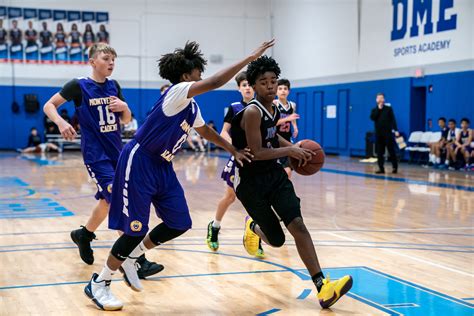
column 318, row 280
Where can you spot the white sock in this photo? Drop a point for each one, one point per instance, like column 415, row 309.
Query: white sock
column 138, row 251
column 438, row 160
column 432, row 158
column 216, row 223
column 446, row 162
column 106, row 274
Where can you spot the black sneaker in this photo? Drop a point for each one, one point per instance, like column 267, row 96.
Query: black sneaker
column 212, row 238
column 147, row 268
column 380, row 172
column 83, row 238
column 395, row 171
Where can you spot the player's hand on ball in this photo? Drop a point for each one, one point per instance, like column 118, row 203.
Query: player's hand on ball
column 243, row 155
column 301, row 154
column 262, row 48
column 67, row 131
column 117, row 105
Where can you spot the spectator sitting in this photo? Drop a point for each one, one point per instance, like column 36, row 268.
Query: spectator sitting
column 437, row 147
column 195, row 137
column 212, row 125
column 36, row 146
column 463, row 145
column 65, row 115
column 50, row 127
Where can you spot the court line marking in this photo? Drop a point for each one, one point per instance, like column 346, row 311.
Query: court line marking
column 304, row 294
column 270, row 311
column 328, row 231
column 415, row 258
column 386, row 248
column 401, row 305
column 385, row 178
column 14, row 287
column 420, row 287
column 229, row 241
column 373, row 304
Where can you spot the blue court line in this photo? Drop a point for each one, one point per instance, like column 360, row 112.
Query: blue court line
column 373, row 304
column 12, row 181
column 42, row 162
column 240, row 244
column 304, row 294
column 229, row 241
column 468, row 298
column 240, row 229
column 14, row 287
column 401, row 305
column 270, row 311
column 386, row 178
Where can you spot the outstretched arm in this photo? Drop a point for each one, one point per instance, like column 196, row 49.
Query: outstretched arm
column 219, row 79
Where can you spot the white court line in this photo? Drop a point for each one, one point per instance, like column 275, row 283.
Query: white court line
column 410, row 257
column 343, row 230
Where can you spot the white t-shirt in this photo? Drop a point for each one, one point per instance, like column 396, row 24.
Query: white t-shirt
column 177, row 100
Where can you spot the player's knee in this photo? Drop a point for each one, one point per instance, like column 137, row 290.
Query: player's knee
column 125, row 245
column 297, row 226
column 163, row 233
column 277, row 240
column 230, row 198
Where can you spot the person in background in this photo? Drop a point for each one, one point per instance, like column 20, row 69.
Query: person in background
column 65, row 115
column 212, row 125
column 463, row 143
column 385, row 125
column 437, row 147
column 102, row 35
column 429, row 125
column 130, row 128
column 35, row 145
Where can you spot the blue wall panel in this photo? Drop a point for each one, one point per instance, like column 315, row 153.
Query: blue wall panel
column 452, row 96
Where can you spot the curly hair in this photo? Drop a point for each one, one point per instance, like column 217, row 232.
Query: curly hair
column 260, row 66
column 182, row 61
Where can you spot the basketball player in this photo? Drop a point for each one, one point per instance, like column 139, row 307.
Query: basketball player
column 75, row 36
column 263, row 186
column 228, row 173
column 60, row 36
column 287, row 119
column 15, row 34
column 463, row 143
column 45, row 36
column 439, row 146
column 145, row 174
column 100, row 107
column 31, row 35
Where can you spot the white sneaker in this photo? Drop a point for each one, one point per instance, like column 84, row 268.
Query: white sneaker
column 100, row 294
column 130, row 275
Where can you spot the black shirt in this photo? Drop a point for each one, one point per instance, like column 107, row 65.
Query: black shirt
column 103, row 36
column 384, row 120
column 72, row 91
column 3, row 36
column 285, row 129
column 30, row 36
column 34, row 141
column 45, row 38
column 75, row 37
column 268, row 133
column 15, row 36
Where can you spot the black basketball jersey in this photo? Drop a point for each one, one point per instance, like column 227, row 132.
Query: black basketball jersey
column 103, row 36
column 60, row 37
column 45, row 37
column 15, row 36
column 3, row 36
column 75, row 37
column 31, row 33
column 268, row 133
column 285, row 129
column 88, row 37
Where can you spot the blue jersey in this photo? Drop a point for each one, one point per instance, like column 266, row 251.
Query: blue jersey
column 169, row 122
column 100, row 127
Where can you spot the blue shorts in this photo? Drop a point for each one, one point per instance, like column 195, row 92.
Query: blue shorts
column 228, row 173
column 102, row 173
column 141, row 180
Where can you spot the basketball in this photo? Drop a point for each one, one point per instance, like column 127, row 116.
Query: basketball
column 315, row 164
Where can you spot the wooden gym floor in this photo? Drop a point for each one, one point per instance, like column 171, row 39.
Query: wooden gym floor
column 406, row 239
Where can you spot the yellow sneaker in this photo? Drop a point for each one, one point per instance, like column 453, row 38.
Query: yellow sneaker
column 260, row 253
column 251, row 240
column 332, row 291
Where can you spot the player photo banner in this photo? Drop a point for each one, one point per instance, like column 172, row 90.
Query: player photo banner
column 60, row 46
column 46, row 36
column 3, row 35
column 30, row 18
column 15, row 16
column 102, row 19
column 75, row 36
column 88, row 20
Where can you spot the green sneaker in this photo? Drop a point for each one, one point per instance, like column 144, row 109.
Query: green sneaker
column 212, row 237
column 260, row 253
